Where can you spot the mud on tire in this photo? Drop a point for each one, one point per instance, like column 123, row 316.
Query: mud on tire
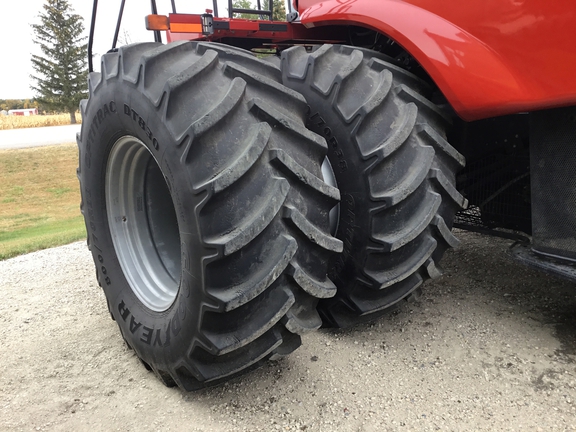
column 206, row 214
column 394, row 168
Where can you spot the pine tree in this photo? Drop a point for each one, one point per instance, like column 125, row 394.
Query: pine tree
column 61, row 69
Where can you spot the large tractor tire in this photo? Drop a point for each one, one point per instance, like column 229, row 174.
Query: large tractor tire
column 207, row 215
column 395, row 171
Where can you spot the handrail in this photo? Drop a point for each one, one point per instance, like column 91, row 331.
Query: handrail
column 91, row 35
column 157, row 35
column 115, row 40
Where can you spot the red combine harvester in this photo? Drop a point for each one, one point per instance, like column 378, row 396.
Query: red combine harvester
column 251, row 180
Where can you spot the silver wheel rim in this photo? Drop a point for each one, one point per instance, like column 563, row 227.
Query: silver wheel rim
column 330, row 178
column 143, row 223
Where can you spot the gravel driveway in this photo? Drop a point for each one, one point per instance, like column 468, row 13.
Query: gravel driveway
column 489, row 346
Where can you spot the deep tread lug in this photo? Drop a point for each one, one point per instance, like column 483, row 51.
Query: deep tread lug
column 211, row 371
column 410, row 95
column 258, row 140
column 131, row 68
column 235, row 70
column 219, row 113
column 298, row 326
column 367, row 307
column 278, row 119
column 241, row 236
column 316, row 236
column 439, row 142
column 433, row 270
column 314, row 287
column 390, row 277
column 445, row 184
column 445, row 232
column 305, row 176
column 398, row 137
column 399, row 192
column 378, row 97
column 411, row 230
column 239, row 295
column 264, row 321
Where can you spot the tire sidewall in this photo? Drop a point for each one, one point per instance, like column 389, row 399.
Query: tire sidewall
column 349, row 171
column 116, row 109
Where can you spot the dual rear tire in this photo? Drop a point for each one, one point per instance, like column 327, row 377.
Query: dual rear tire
column 208, row 215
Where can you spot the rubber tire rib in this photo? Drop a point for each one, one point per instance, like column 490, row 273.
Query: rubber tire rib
column 394, row 169
column 245, row 180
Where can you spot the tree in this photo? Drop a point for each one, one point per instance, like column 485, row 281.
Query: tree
column 61, row 69
column 243, row 4
column 10, row 104
column 278, row 9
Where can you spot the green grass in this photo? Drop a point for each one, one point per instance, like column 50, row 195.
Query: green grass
column 39, row 199
column 41, row 236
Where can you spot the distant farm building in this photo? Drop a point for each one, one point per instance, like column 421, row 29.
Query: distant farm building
column 23, row 112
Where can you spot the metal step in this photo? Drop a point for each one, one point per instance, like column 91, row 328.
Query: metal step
column 523, row 253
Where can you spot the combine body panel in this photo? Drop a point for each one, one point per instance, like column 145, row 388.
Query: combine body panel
column 489, row 58
column 249, row 32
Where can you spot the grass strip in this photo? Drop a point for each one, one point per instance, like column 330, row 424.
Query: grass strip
column 42, row 236
column 39, row 199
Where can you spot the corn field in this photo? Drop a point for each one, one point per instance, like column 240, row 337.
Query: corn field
column 19, row 122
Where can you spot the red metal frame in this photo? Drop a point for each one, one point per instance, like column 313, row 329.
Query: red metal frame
column 488, row 57
column 226, row 28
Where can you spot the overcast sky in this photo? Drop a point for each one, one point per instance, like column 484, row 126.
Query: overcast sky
column 16, row 46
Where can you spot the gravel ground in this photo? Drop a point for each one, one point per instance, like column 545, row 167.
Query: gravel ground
column 489, row 346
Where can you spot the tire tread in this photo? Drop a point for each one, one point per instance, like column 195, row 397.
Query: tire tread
column 278, row 238
column 380, row 111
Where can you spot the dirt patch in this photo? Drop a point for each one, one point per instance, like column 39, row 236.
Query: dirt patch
column 489, row 346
